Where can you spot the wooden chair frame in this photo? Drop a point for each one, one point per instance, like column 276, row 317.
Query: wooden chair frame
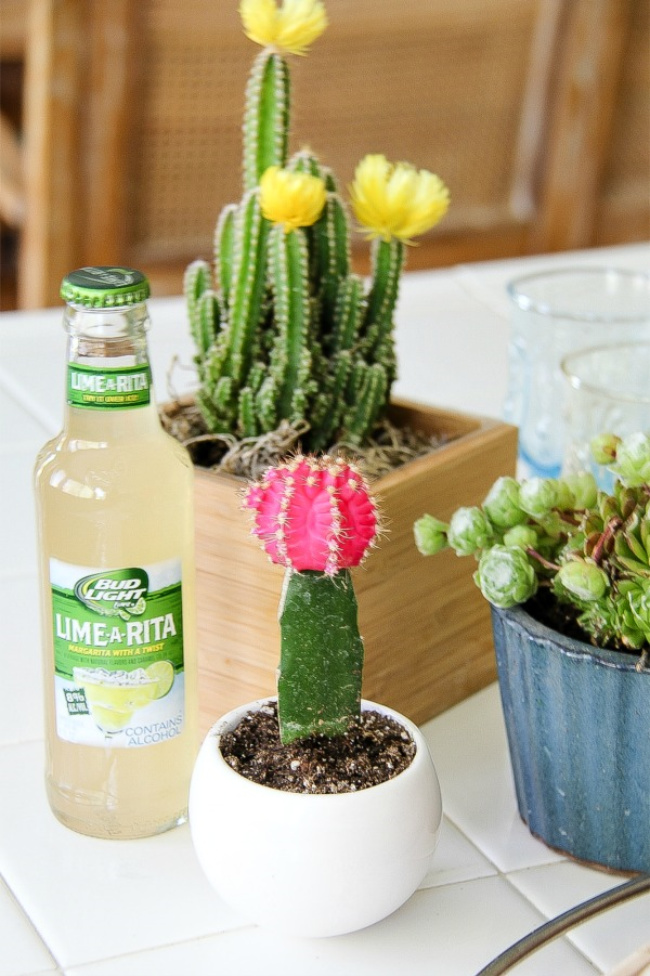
column 79, row 82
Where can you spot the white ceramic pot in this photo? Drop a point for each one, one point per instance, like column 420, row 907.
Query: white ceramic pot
column 313, row 865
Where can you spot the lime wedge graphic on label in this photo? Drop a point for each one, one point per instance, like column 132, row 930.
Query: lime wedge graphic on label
column 135, row 610
column 163, row 673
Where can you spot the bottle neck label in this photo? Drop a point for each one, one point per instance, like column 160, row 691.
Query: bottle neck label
column 108, row 388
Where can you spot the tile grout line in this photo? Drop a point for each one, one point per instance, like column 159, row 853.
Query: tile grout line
column 563, row 939
column 571, row 933
column 567, row 935
column 469, row 840
column 20, row 396
column 11, row 744
column 80, row 966
column 491, row 860
column 463, row 278
column 30, row 923
column 506, row 877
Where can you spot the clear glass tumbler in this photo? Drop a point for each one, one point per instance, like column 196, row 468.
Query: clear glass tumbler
column 608, row 391
column 555, row 313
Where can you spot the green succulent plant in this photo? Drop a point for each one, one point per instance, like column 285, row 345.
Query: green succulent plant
column 589, row 548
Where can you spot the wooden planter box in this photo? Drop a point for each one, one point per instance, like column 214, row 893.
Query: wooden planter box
column 425, row 625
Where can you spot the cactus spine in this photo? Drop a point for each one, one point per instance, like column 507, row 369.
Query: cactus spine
column 283, row 329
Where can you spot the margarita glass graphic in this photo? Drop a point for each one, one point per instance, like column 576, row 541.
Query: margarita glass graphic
column 113, row 697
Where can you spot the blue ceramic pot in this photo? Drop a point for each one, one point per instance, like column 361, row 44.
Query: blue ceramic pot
column 578, row 725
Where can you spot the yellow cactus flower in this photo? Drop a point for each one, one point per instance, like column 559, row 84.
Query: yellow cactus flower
column 396, row 200
column 291, row 199
column 292, row 27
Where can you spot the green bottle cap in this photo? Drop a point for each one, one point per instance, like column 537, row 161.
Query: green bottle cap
column 104, row 287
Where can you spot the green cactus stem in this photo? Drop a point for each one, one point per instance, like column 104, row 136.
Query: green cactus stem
column 368, row 404
column 348, row 314
column 387, row 263
column 319, row 683
column 329, row 238
column 327, row 412
column 246, row 413
column 248, row 283
column 196, row 283
column 223, row 249
column 266, row 117
column 209, row 316
column 291, row 357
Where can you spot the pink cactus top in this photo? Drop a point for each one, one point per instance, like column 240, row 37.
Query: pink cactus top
column 313, row 513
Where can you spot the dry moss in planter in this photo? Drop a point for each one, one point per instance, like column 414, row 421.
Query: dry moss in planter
column 388, row 446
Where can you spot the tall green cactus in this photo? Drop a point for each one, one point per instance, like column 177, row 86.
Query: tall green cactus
column 284, row 330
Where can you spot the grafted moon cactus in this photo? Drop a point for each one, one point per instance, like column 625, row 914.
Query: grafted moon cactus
column 316, row 517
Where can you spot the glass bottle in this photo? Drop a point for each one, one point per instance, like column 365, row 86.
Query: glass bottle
column 114, row 497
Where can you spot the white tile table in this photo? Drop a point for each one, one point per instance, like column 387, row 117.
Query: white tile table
column 83, row 907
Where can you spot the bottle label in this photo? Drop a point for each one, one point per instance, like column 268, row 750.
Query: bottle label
column 118, row 654
column 103, row 388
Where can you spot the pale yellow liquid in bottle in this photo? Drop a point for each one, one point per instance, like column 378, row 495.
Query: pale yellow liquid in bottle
column 114, row 490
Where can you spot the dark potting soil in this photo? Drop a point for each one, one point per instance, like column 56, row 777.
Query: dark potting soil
column 374, row 749
column 562, row 617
